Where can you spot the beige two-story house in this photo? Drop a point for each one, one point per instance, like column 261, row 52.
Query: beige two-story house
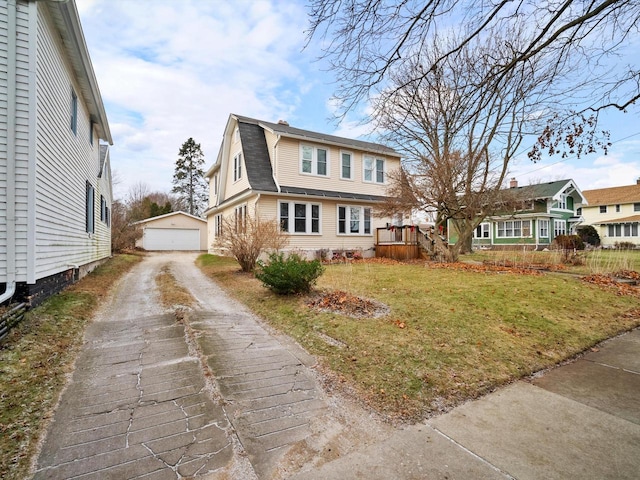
column 615, row 213
column 321, row 189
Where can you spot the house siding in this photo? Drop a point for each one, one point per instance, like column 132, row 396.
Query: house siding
column 288, row 169
column 65, row 162
column 22, row 138
column 4, row 95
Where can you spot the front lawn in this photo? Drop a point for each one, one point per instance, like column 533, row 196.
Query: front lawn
column 451, row 334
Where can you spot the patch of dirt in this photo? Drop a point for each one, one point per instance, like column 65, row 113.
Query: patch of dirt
column 344, row 303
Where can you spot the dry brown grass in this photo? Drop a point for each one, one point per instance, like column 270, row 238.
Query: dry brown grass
column 172, row 294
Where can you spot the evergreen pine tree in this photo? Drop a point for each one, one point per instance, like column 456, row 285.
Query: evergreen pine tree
column 188, row 180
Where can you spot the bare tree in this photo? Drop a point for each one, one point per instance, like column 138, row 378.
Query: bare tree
column 366, row 41
column 246, row 237
column 459, row 127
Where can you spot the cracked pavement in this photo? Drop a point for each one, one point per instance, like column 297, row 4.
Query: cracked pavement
column 214, row 395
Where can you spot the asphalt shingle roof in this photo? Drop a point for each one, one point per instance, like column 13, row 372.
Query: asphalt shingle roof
column 613, row 195
column 288, row 130
column 256, row 157
column 541, row 190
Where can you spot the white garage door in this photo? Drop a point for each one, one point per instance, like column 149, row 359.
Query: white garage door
column 171, row 239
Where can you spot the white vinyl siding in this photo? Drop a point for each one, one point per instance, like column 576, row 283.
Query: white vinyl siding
column 65, row 162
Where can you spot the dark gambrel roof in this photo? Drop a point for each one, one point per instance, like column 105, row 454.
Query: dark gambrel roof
column 286, row 130
column 256, row 157
column 330, row 194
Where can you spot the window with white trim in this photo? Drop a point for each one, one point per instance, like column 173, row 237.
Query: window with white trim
column 217, row 225
column 215, row 184
column 617, row 208
column 603, row 209
column 236, row 135
column 299, row 217
column 636, row 207
column 354, row 220
column 314, row 160
column 240, row 218
column 623, row 229
column 346, row 166
column 482, row 230
column 559, row 227
column 374, row 169
column 543, row 228
column 514, row 228
column 237, row 167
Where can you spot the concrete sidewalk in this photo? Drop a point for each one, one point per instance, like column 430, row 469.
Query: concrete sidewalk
column 578, row 421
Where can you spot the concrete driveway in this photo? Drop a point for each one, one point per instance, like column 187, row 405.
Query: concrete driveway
column 215, row 395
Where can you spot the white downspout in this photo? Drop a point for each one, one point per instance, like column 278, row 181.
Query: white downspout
column 11, row 154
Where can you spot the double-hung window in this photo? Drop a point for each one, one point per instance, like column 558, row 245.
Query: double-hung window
column 217, row 226
column 346, row 166
column 636, row 207
column 237, row 167
column 354, row 220
column 543, row 228
column 299, row 217
column 374, row 169
column 603, row 209
column 514, row 229
column 559, row 227
column 314, row 160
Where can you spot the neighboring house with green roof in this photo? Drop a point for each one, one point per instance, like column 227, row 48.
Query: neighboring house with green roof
column 615, row 214
column 545, row 211
column 322, row 189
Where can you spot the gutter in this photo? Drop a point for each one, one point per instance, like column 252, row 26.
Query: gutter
column 11, row 154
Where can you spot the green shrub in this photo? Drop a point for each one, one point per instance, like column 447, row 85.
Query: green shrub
column 289, row 275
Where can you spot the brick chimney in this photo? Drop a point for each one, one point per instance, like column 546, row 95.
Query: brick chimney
column 514, row 183
column 638, row 181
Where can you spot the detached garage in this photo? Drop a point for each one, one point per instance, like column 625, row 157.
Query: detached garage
column 173, row 231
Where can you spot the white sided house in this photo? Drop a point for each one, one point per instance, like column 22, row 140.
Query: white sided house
column 321, row 189
column 173, row 231
column 55, row 175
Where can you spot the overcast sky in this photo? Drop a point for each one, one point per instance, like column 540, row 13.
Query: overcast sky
column 173, row 69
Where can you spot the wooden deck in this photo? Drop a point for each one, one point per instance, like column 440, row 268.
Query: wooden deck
column 398, row 243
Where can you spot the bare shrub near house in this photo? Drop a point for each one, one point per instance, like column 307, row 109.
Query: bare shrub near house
column 247, row 237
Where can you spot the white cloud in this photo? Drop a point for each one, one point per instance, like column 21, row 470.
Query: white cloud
column 170, row 70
